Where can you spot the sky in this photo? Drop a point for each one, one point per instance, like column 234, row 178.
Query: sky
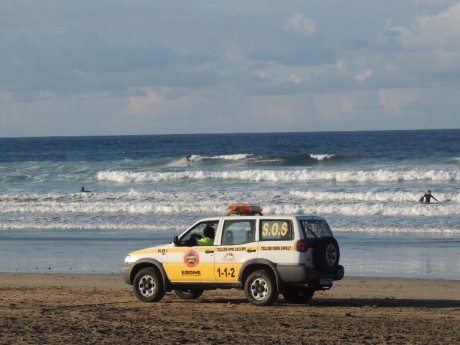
column 127, row 67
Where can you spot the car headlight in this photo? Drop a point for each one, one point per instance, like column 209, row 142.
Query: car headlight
column 127, row 259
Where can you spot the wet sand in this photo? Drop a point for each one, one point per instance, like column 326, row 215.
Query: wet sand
column 101, row 309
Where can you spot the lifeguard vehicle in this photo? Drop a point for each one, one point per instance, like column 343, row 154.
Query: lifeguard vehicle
column 266, row 255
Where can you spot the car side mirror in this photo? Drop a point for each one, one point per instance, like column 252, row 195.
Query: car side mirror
column 176, row 240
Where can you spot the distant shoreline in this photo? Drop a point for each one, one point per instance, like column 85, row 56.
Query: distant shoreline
column 227, row 133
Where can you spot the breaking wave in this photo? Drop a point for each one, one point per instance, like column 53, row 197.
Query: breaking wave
column 286, row 176
column 321, row 157
column 134, row 209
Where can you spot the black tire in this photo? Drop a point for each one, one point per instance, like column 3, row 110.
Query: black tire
column 298, row 295
column 260, row 288
column 148, row 285
column 189, row 293
column 327, row 254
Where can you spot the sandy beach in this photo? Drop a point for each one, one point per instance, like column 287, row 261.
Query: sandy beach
column 101, row 309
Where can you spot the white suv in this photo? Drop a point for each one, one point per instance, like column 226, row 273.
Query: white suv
column 264, row 255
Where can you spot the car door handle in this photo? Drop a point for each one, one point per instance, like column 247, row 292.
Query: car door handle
column 251, row 250
column 209, row 251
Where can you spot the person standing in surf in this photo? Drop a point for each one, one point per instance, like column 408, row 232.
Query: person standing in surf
column 426, row 198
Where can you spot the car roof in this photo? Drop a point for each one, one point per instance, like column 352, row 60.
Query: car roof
column 278, row 216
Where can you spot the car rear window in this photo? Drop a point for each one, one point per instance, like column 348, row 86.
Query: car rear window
column 315, row 228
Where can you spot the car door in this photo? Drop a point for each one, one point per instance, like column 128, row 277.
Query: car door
column 189, row 262
column 235, row 247
column 277, row 241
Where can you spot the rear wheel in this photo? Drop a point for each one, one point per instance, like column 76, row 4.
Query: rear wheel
column 148, row 286
column 260, row 288
column 189, row 293
column 298, row 295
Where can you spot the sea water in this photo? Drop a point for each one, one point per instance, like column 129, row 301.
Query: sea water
column 144, row 191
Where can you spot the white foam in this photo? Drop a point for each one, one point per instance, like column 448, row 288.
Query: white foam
column 299, row 175
column 369, row 196
column 78, row 224
column 321, row 157
column 199, row 202
column 199, row 158
column 366, row 209
column 233, row 157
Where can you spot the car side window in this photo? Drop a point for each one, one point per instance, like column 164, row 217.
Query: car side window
column 238, row 232
column 276, row 230
column 197, row 232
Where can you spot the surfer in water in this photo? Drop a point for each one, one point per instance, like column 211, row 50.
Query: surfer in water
column 83, row 190
column 426, row 198
column 189, row 159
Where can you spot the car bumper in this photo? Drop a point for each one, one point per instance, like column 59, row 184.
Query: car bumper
column 126, row 273
column 301, row 275
column 340, row 273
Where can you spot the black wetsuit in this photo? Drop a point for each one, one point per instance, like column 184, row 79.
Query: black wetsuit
column 428, row 198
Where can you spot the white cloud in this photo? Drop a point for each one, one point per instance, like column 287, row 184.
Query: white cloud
column 302, row 25
column 435, row 2
column 391, row 68
column 364, row 74
column 179, row 67
column 263, row 75
column 436, row 32
column 293, row 78
column 277, row 109
column 341, row 67
column 334, row 106
column 347, row 105
column 326, row 105
column 141, row 105
column 46, row 95
column 394, row 101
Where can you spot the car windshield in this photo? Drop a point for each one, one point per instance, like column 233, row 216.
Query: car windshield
column 315, row 228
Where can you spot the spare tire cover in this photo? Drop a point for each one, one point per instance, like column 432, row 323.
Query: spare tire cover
column 326, row 254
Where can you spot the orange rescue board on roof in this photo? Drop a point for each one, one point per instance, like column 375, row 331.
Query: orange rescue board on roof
column 244, row 209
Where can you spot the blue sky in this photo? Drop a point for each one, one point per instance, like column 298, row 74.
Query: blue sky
column 194, row 66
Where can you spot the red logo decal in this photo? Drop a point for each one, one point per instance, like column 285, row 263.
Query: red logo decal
column 191, row 258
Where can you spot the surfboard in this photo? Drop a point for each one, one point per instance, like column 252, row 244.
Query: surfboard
column 435, row 202
column 442, row 201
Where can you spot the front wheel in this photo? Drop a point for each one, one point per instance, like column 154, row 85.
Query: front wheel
column 260, row 288
column 148, row 286
column 298, row 295
column 189, row 293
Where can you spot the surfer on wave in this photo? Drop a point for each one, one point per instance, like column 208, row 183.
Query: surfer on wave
column 83, row 190
column 426, row 198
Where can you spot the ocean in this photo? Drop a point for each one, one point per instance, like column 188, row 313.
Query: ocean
column 366, row 184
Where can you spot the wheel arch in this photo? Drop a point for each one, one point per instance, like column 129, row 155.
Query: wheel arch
column 144, row 263
column 259, row 264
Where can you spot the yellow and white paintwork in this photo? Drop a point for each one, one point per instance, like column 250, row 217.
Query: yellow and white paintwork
column 214, row 263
